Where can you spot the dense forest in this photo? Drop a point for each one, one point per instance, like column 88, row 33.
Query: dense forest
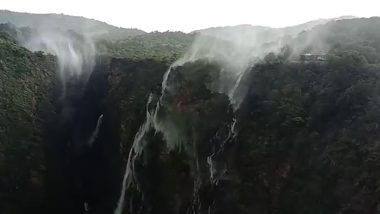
column 161, row 124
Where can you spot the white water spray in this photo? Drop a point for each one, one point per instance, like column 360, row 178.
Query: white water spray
column 135, row 150
column 95, row 133
column 235, row 58
column 215, row 173
column 75, row 53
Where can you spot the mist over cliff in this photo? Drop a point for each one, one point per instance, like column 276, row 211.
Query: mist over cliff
column 240, row 119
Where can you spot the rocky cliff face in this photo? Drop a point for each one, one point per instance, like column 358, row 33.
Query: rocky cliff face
column 26, row 93
column 83, row 177
column 91, row 134
column 51, row 160
column 304, row 139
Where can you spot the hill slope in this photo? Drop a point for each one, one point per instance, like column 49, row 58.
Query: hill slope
column 304, row 140
column 66, row 22
column 26, row 79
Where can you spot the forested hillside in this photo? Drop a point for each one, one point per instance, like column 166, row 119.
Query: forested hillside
column 81, row 25
column 26, row 82
column 167, row 46
column 216, row 121
column 308, row 139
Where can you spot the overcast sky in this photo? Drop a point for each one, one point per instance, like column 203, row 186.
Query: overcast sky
column 162, row 15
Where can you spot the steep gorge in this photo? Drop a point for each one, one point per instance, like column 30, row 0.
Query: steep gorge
column 84, row 176
column 146, row 136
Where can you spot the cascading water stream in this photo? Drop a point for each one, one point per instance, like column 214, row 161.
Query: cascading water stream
column 72, row 161
column 215, row 173
column 233, row 66
column 153, row 121
column 135, row 150
column 95, row 133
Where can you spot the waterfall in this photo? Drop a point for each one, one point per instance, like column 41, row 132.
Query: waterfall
column 172, row 136
column 218, row 170
column 233, row 92
column 95, row 133
column 75, row 53
column 233, row 66
column 151, row 121
column 135, row 150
